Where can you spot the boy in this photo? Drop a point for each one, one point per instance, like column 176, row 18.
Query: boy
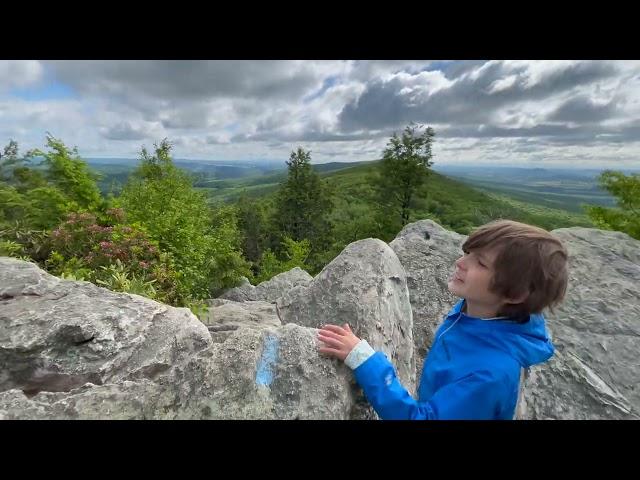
column 508, row 274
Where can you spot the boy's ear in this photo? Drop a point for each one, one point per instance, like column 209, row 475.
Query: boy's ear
column 517, row 299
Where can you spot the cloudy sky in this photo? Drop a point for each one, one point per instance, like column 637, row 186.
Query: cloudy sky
column 526, row 113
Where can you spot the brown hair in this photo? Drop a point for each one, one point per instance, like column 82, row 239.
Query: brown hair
column 530, row 261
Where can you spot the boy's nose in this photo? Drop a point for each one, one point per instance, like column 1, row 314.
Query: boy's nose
column 460, row 263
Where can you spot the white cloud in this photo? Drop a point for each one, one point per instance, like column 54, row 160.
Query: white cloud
column 503, row 83
column 534, row 72
column 19, row 73
column 366, row 70
column 132, row 130
column 517, row 111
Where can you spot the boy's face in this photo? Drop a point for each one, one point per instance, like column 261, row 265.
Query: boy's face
column 472, row 277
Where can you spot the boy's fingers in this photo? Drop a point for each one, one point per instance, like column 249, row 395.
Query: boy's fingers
column 334, row 328
column 330, row 341
column 347, row 327
column 326, row 333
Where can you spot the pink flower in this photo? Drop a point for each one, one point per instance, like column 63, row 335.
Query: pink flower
column 117, row 213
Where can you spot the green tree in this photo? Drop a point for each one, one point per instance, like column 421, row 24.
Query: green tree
column 8, row 158
column 303, row 204
column 626, row 216
column 26, row 197
column 401, row 177
column 70, row 174
column 295, row 254
column 14, row 172
column 253, row 222
column 204, row 243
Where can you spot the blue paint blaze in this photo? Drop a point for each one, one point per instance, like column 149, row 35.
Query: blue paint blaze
column 264, row 373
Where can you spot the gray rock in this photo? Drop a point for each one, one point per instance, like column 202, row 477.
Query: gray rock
column 56, row 335
column 72, row 350
column 126, row 400
column 595, row 372
column 267, row 374
column 269, row 290
column 254, row 374
column 241, row 293
column 252, row 314
column 366, row 287
column 225, row 316
column 427, row 252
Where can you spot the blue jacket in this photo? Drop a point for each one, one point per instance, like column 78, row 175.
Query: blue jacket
column 472, row 370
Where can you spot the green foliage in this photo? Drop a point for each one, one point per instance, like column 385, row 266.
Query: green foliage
column 253, row 222
column 119, row 278
column 198, row 307
column 39, row 208
column 9, row 158
column 164, row 241
column 626, row 217
column 401, row 177
column 225, row 262
column 72, row 268
column 25, row 179
column 81, row 236
column 204, row 245
column 452, row 204
column 47, row 206
column 9, row 248
column 35, row 244
column 13, row 205
column 295, row 254
column 303, row 204
column 14, row 172
column 69, row 173
column 172, row 247
column 41, row 198
column 119, row 256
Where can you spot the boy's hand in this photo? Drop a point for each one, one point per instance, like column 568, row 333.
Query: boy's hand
column 338, row 341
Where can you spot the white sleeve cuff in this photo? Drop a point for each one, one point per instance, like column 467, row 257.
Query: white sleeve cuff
column 359, row 354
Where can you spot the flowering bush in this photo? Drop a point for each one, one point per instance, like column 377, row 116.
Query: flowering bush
column 85, row 250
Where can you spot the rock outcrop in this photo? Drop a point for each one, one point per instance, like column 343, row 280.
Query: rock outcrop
column 72, row 350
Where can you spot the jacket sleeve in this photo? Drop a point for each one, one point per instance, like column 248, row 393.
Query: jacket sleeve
column 476, row 396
